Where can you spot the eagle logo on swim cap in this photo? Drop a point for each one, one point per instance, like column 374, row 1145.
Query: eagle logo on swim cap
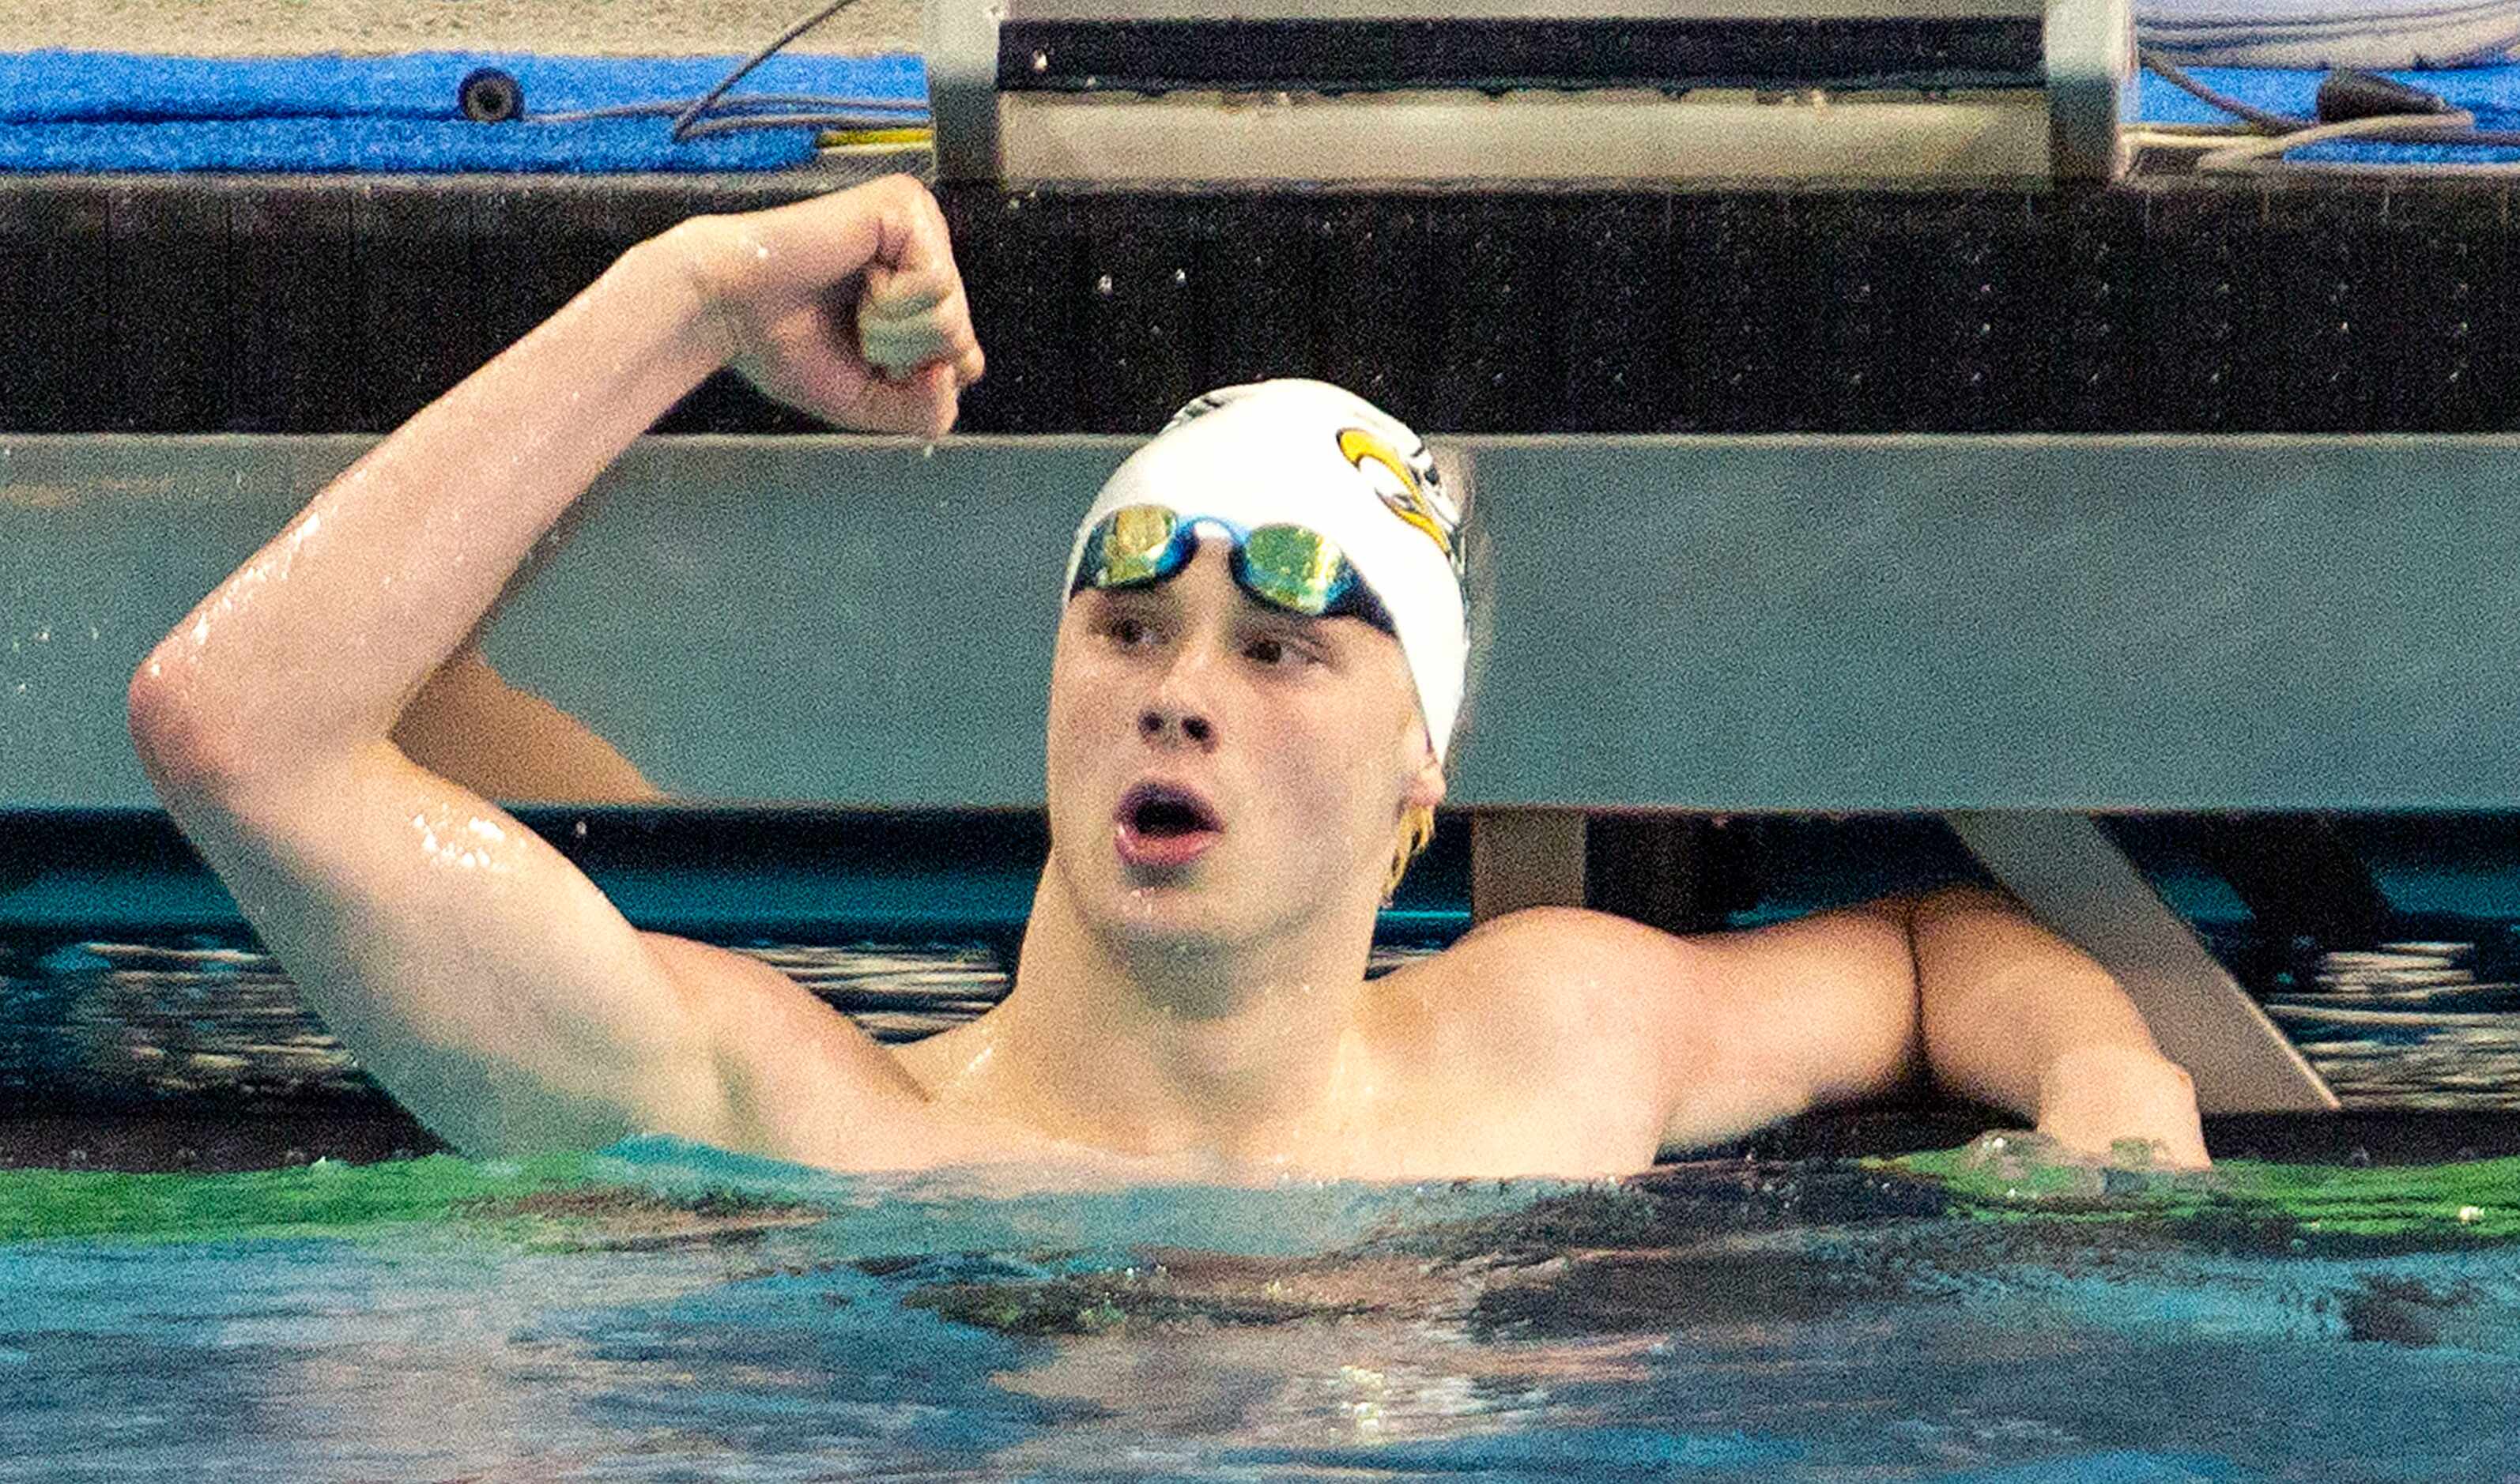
column 1408, row 484
column 1394, row 460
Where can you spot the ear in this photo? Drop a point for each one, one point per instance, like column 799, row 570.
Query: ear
column 1426, row 783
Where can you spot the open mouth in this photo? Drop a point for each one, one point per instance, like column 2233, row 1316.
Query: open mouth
column 1163, row 826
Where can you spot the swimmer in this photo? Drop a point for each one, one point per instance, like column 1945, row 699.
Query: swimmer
column 1252, row 695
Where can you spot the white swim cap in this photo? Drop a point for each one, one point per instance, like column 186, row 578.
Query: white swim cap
column 1307, row 453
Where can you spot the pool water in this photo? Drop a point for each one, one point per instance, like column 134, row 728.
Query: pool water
column 666, row 1311
column 2429, row 1024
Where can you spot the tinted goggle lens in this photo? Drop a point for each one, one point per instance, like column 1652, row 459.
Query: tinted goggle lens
column 1133, row 546
column 1293, row 567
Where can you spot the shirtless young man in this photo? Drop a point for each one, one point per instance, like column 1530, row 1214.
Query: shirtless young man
column 1196, row 996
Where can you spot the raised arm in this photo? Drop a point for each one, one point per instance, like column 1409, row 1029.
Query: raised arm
column 485, row 981
column 471, row 726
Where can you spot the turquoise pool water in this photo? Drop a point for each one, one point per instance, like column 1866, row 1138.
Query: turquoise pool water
column 664, row 1311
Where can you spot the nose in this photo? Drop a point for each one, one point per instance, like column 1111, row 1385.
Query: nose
column 1174, row 713
column 1165, row 723
column 1177, row 712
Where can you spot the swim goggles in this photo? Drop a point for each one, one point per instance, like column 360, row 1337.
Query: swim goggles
column 1290, row 567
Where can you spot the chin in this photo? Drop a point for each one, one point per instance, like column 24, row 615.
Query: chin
column 1157, row 944
column 1119, row 905
column 1190, row 908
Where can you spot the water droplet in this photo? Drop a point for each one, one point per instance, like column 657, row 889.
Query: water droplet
column 91, row 632
column 1041, row 62
column 1102, row 285
column 43, row 636
column 578, row 829
column 928, row 450
column 1181, row 275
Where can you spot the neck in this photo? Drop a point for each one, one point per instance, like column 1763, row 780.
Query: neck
column 1232, row 1049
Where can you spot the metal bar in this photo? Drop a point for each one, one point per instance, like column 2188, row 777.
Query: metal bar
column 1537, row 137
column 1508, row 9
column 1819, row 624
column 962, row 62
column 1161, row 55
column 2093, row 87
column 2076, row 56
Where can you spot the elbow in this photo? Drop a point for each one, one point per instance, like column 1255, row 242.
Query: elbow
column 1958, row 899
column 160, row 723
column 1912, row 912
column 206, row 737
column 181, row 746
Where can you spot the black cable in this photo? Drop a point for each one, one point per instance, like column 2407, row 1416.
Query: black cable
column 2457, row 128
column 683, row 124
column 748, row 102
column 503, row 100
column 724, row 125
column 2270, row 123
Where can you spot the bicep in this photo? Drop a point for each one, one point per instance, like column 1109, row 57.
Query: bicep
column 1740, row 1030
column 1798, row 1015
column 472, row 969
column 1722, row 1033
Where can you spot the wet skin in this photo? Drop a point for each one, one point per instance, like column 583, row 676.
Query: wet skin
column 1211, row 1011
column 1220, row 1005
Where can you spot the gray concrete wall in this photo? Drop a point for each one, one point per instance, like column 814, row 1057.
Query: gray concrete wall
column 1784, row 623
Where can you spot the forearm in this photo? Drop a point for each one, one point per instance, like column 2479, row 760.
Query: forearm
column 2001, row 998
column 314, row 647
column 469, row 725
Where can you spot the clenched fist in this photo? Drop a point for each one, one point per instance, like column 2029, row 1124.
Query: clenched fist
column 847, row 306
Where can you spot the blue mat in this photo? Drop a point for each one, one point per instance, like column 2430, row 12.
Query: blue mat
column 2491, row 93
column 116, row 111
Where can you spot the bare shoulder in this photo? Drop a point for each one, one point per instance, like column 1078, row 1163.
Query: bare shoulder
column 1720, row 1032
column 1559, row 953
column 739, row 990
column 1561, row 978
